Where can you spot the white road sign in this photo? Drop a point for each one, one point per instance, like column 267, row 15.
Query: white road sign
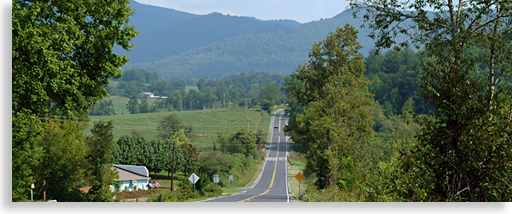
column 216, row 178
column 230, row 178
column 193, row 178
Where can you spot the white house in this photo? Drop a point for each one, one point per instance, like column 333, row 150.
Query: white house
column 148, row 94
column 131, row 177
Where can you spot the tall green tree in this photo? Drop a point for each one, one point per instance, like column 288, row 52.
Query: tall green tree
column 126, row 151
column 26, row 153
column 172, row 124
column 61, row 60
column 266, row 105
column 271, row 93
column 334, row 124
column 99, row 159
column 152, row 154
column 174, row 144
column 191, row 158
column 133, row 105
column 62, row 53
column 458, row 154
column 242, row 142
column 63, row 164
column 104, row 107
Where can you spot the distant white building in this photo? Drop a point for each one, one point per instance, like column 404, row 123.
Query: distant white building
column 148, row 94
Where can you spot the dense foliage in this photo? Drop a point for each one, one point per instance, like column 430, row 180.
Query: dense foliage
column 395, row 76
column 70, row 160
column 332, row 120
column 104, row 107
column 462, row 152
column 61, row 60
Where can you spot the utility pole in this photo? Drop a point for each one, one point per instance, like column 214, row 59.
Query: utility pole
column 172, row 169
column 204, row 121
column 247, row 114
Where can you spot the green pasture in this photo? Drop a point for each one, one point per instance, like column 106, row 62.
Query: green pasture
column 211, row 122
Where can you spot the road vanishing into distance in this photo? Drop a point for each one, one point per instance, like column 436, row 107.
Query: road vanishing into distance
column 272, row 186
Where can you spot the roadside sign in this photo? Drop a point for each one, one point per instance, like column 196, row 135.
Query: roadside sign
column 216, row 178
column 230, row 178
column 229, row 173
column 193, row 178
column 299, row 176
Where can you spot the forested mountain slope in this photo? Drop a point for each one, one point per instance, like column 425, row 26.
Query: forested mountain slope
column 279, row 52
column 166, row 32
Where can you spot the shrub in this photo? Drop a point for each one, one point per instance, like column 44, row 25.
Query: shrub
column 213, row 188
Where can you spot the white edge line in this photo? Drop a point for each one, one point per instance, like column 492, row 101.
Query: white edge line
column 261, row 173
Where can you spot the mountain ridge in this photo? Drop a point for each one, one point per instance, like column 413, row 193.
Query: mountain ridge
column 279, row 52
column 165, row 32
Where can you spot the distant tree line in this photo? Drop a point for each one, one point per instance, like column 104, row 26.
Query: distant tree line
column 254, row 89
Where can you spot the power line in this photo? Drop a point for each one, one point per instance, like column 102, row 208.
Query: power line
column 131, row 122
column 168, row 154
column 156, row 130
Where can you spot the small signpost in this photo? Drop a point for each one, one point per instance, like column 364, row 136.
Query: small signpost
column 31, row 192
column 299, row 177
column 193, row 178
column 216, row 178
column 45, row 188
column 230, row 179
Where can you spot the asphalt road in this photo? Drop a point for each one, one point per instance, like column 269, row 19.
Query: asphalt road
column 272, row 185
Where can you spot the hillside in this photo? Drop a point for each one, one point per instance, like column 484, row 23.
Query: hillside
column 279, row 52
column 196, row 32
column 165, row 32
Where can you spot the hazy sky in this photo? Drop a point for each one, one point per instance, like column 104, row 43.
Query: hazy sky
column 298, row 10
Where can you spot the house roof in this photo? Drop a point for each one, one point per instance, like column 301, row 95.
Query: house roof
column 129, row 172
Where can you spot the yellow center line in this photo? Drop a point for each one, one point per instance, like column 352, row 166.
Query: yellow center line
column 279, row 129
column 273, row 175
column 277, row 158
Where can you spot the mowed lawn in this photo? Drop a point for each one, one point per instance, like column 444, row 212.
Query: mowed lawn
column 211, row 122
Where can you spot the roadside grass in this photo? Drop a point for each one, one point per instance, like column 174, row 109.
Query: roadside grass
column 299, row 164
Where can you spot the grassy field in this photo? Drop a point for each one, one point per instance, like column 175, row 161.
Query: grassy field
column 212, row 122
column 190, row 87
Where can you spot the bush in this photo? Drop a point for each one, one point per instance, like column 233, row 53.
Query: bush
column 179, row 195
column 213, row 188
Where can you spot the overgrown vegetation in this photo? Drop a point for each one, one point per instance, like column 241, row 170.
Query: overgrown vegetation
column 458, row 147
column 61, row 60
